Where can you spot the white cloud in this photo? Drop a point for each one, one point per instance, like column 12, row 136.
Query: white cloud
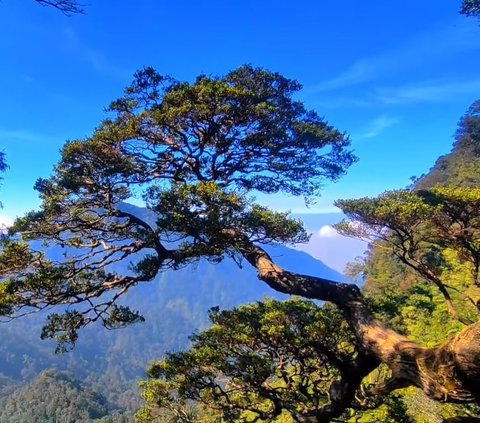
column 428, row 91
column 430, row 47
column 5, row 223
column 377, row 126
column 332, row 248
column 341, row 102
column 361, row 71
column 94, row 57
column 327, row 231
column 12, row 135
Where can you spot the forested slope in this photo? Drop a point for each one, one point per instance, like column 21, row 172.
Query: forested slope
column 460, row 167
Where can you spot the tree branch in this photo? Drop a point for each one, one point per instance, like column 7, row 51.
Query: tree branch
column 67, row 7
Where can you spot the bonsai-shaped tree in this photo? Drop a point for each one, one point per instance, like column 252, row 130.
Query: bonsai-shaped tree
column 196, row 152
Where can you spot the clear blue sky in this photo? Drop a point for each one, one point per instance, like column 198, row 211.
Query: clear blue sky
column 395, row 75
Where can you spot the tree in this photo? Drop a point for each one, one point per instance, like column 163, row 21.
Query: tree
column 68, row 7
column 470, row 8
column 265, row 361
column 3, row 166
column 196, row 151
column 53, row 396
column 3, row 163
column 419, row 227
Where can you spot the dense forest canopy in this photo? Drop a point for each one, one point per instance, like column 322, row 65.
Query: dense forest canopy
column 54, row 397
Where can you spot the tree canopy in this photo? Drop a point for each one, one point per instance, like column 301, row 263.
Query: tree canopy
column 419, row 227
column 424, row 227
column 461, row 167
column 470, row 8
column 268, row 361
column 193, row 151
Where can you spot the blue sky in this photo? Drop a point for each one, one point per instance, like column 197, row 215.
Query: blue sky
column 396, row 76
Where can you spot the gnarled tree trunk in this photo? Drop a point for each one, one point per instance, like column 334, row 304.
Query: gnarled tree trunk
column 447, row 373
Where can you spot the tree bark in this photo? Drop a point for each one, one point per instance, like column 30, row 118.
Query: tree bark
column 449, row 372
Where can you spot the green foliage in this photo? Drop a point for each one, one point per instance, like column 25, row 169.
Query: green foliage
column 263, row 358
column 392, row 410
column 429, row 231
column 63, row 328
column 239, row 130
column 402, row 299
column 470, row 8
column 209, row 213
column 111, row 362
column 437, row 236
column 267, row 361
column 457, row 221
column 120, row 316
column 434, row 230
